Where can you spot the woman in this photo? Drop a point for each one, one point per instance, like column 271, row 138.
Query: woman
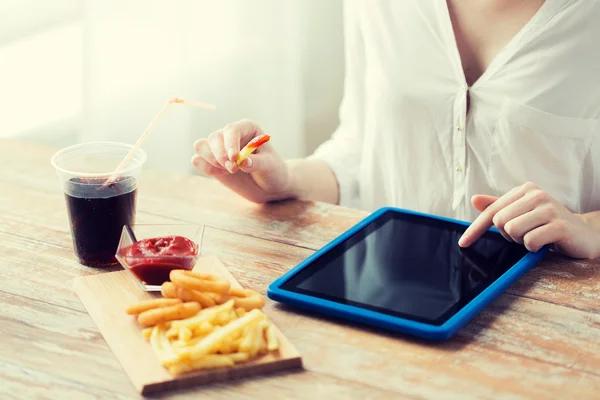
column 486, row 111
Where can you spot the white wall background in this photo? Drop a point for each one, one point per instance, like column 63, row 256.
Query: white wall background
column 88, row 70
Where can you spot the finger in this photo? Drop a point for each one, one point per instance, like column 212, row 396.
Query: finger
column 238, row 134
column 550, row 233
column 247, row 165
column 231, row 140
column 206, row 168
column 203, row 150
column 519, row 207
column 484, row 221
column 482, row 201
column 505, row 235
column 217, row 147
column 198, row 144
column 533, row 199
column 518, row 227
column 258, row 163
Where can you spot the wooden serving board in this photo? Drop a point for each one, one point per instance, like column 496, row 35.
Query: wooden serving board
column 105, row 297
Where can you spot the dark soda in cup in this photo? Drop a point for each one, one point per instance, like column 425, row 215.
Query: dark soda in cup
column 98, row 209
column 98, row 214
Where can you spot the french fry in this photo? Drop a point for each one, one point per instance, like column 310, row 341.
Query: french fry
column 263, row 326
column 237, row 335
column 204, row 328
column 184, row 334
column 213, row 340
column 251, row 146
column 223, row 318
column 146, row 333
column 179, row 344
column 262, row 347
column 272, row 342
column 169, row 357
column 225, row 347
column 188, row 336
column 246, row 342
column 239, row 357
column 230, row 316
column 247, row 339
column 172, row 333
column 208, row 361
column 157, row 343
column 257, row 340
column 235, row 344
column 208, row 314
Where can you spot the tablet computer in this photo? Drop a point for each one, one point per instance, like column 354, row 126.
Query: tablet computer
column 404, row 271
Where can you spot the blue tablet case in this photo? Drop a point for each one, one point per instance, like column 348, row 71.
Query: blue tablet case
column 393, row 323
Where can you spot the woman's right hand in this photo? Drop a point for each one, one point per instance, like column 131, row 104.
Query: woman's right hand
column 261, row 177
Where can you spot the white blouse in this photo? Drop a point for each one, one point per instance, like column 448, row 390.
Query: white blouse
column 405, row 138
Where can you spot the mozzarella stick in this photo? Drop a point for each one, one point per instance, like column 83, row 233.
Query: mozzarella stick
column 159, row 315
column 171, row 290
column 146, row 305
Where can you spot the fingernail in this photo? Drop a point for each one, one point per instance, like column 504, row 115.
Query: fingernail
column 229, row 166
column 231, row 153
column 248, row 162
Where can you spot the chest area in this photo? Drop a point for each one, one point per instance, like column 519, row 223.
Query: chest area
column 484, row 28
column 426, row 45
column 422, row 57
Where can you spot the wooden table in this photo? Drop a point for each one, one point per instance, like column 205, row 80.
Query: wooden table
column 539, row 340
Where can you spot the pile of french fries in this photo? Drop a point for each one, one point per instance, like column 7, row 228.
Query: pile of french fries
column 217, row 336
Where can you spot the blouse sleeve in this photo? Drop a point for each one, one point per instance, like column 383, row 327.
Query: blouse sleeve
column 343, row 151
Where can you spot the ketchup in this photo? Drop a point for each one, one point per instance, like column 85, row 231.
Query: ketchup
column 152, row 260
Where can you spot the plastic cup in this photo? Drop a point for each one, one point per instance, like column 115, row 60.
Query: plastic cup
column 97, row 213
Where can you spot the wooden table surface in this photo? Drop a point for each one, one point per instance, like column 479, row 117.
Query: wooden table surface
column 539, row 340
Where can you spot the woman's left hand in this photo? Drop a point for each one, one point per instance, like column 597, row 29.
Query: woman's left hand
column 532, row 217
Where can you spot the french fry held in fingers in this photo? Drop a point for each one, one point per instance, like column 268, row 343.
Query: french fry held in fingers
column 251, row 147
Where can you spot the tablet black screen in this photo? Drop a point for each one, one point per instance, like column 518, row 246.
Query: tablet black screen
column 408, row 266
